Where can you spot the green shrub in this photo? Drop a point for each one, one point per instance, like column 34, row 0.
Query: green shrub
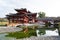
column 42, row 31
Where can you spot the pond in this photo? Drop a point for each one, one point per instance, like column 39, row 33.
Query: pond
column 47, row 33
column 3, row 37
column 3, row 31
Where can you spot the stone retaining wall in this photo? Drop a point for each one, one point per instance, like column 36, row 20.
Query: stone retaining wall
column 41, row 38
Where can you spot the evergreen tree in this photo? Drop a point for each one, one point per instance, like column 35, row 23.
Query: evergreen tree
column 41, row 14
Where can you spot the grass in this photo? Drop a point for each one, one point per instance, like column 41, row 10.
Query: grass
column 3, row 23
column 21, row 34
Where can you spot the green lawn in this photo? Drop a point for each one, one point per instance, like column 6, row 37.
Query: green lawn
column 3, row 23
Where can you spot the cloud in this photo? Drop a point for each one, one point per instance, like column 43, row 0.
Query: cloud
column 47, row 6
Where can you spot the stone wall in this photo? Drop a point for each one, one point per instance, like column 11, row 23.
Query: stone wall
column 41, row 38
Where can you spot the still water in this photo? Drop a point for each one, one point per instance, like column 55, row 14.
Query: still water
column 3, row 37
column 48, row 33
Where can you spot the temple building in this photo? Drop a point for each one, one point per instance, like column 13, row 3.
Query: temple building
column 23, row 16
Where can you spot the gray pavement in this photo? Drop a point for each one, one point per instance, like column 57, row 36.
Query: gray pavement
column 9, row 29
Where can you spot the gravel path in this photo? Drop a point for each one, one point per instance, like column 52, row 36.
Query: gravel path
column 9, row 29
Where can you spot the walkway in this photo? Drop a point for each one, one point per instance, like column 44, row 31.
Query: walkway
column 9, row 29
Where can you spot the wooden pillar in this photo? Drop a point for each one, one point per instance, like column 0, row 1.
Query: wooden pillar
column 33, row 20
column 9, row 21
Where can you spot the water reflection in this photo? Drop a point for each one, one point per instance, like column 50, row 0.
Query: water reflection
column 3, row 37
column 47, row 33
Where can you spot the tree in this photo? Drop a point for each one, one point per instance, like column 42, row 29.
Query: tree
column 1, row 20
column 41, row 14
column 47, row 24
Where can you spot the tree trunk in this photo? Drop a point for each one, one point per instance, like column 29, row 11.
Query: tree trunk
column 26, row 29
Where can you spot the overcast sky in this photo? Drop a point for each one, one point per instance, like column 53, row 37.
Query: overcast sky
column 50, row 7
